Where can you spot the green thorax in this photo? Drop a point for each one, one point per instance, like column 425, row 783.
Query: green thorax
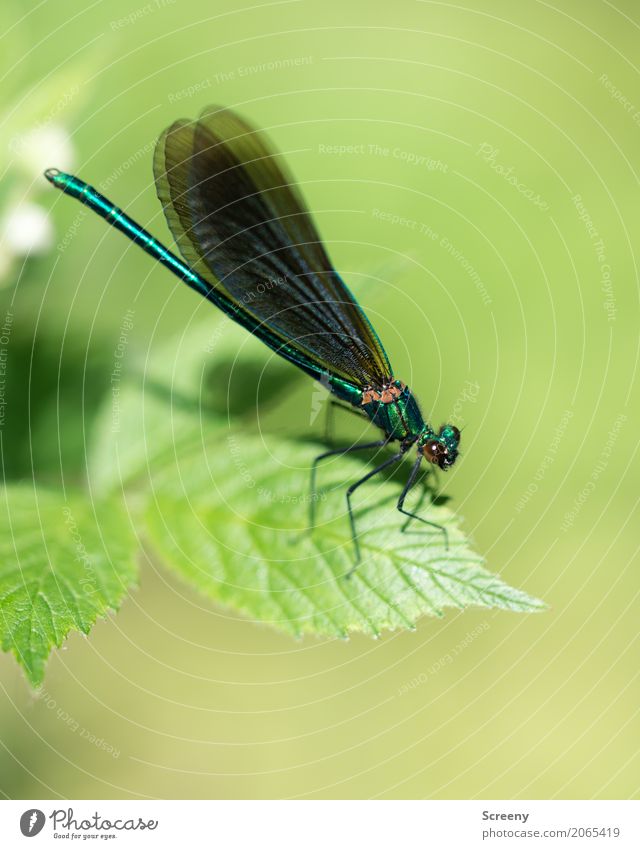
column 399, row 418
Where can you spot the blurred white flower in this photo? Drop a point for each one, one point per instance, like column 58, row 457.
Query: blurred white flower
column 43, row 147
column 25, row 229
column 34, row 138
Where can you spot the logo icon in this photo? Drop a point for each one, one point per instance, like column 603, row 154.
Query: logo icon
column 32, row 822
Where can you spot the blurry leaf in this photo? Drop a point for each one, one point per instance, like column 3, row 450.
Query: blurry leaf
column 55, row 383
column 134, row 431
column 231, row 515
column 63, row 563
column 15, row 46
column 58, row 98
column 210, row 372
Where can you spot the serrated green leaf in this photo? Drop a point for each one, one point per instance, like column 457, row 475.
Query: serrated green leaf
column 228, row 512
column 230, row 517
column 63, row 563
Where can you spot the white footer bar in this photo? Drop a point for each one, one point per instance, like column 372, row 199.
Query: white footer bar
column 320, row 824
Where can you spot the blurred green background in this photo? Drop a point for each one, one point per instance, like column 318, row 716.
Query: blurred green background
column 499, row 294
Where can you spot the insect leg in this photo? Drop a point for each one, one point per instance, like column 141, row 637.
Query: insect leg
column 328, row 422
column 380, row 443
column 410, row 482
column 395, row 459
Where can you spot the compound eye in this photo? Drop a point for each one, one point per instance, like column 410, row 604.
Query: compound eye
column 450, row 432
column 434, row 451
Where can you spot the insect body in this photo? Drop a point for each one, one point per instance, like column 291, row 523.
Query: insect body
column 250, row 247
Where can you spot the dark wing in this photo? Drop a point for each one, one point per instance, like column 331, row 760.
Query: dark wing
column 241, row 224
